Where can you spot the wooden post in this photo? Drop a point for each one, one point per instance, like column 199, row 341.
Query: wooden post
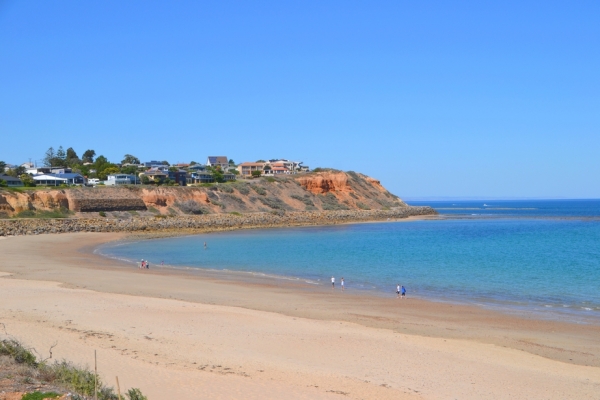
column 95, row 376
column 119, row 389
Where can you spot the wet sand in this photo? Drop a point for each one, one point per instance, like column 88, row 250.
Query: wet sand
column 202, row 334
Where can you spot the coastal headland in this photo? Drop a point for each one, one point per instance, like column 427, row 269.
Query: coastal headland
column 201, row 334
column 320, row 198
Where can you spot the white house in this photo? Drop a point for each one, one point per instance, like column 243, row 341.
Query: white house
column 59, row 179
column 122, row 179
column 218, row 161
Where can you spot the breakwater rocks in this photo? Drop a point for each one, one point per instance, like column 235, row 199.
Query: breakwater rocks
column 209, row 222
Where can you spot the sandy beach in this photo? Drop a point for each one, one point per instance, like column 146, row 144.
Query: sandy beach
column 191, row 335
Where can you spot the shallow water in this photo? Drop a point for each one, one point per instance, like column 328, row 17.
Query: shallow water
column 523, row 256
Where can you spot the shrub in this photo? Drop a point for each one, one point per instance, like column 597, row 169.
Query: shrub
column 256, row 174
column 270, row 179
column 190, row 207
column 331, row 203
column 16, row 351
column 273, row 202
column 80, row 380
column 216, row 203
column 306, row 199
column 363, row 206
column 25, row 214
column 259, row 190
column 135, row 394
column 153, row 210
column 243, row 189
column 225, row 188
column 236, row 213
column 102, row 214
column 3, row 183
column 234, row 198
column 40, row 396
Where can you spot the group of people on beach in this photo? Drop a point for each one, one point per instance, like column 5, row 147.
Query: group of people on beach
column 341, row 282
column 144, row 264
column 400, row 289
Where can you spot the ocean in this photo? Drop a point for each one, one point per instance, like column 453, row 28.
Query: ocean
column 539, row 257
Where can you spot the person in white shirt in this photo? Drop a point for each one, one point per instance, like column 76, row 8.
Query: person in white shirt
column 332, row 282
column 342, row 283
column 398, row 290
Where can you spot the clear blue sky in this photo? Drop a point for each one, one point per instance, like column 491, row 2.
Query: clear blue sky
column 448, row 98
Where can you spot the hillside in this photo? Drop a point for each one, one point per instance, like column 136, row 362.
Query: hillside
column 318, row 191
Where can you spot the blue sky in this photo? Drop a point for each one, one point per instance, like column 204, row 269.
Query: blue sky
column 433, row 98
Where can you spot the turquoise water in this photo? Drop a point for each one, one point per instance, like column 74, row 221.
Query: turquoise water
column 541, row 257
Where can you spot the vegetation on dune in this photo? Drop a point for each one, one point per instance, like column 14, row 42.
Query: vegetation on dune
column 191, row 207
column 81, row 381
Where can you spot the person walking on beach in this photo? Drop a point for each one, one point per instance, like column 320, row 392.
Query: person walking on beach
column 147, row 264
column 342, row 283
column 403, row 292
column 332, row 282
column 398, row 291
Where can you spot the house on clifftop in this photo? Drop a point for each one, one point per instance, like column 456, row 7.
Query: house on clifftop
column 218, row 161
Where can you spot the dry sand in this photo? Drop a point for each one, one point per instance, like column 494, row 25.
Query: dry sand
column 193, row 335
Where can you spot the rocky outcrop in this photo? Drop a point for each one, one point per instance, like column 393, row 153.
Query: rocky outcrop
column 325, row 182
column 212, row 222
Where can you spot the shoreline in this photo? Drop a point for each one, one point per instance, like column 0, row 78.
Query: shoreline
column 521, row 308
column 509, row 308
column 116, row 300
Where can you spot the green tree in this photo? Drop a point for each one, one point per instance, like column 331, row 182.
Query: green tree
column 2, row 167
column 130, row 169
column 17, row 171
column 109, row 170
column 261, row 161
column 60, row 157
column 231, row 162
column 49, row 157
column 193, row 163
column 72, row 158
column 71, row 153
column 216, row 173
column 165, row 163
column 129, row 159
column 100, row 165
column 3, row 183
column 27, row 180
column 88, row 156
column 256, row 174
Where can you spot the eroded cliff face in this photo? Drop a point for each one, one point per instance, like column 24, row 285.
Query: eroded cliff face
column 329, row 191
column 325, row 182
